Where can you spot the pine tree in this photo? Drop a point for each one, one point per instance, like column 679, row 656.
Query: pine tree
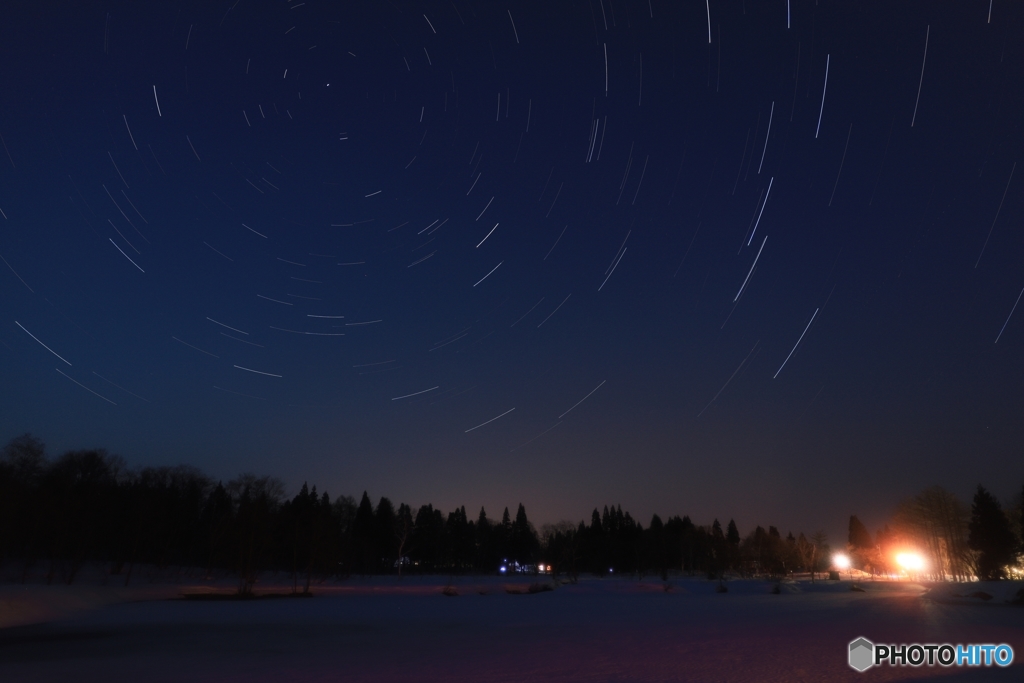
column 427, row 536
column 861, row 546
column 688, row 532
column 732, row 545
column 503, row 536
column 456, row 534
column 732, row 534
column 655, row 542
column 860, row 537
column 362, row 536
column 297, row 516
column 990, row 536
column 386, row 544
column 522, row 540
column 484, row 547
column 324, row 542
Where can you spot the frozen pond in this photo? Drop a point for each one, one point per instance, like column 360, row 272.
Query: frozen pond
column 598, row 630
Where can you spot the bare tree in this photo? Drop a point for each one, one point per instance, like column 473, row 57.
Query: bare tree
column 806, row 552
column 937, row 521
column 258, row 499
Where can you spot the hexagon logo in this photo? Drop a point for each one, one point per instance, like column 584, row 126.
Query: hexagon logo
column 862, row 653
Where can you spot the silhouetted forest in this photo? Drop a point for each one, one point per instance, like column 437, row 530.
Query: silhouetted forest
column 959, row 543
column 88, row 506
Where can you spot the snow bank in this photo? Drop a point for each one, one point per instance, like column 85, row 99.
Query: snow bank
column 979, row 592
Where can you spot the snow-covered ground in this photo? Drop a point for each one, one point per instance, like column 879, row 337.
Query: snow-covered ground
column 405, row 630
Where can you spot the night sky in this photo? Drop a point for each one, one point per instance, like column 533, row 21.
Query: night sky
column 726, row 260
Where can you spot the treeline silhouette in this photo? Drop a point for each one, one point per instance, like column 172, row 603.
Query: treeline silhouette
column 959, row 543
column 88, row 506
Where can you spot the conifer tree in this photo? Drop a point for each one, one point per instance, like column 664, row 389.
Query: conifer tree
column 503, row 535
column 990, row 536
column 859, row 537
column 861, row 546
column 732, row 534
column 384, row 535
column 655, row 547
column 362, row 535
column 485, row 560
column 522, row 540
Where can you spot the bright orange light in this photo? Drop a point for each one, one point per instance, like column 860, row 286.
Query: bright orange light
column 910, row 561
column 841, row 561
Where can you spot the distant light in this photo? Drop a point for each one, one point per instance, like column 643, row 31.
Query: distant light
column 610, row 570
column 503, row 570
column 540, row 567
column 910, row 561
column 841, row 561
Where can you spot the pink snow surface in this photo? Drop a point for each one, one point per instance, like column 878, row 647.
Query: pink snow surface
column 597, row 630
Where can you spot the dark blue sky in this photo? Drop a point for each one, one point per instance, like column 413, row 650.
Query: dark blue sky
column 194, row 194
